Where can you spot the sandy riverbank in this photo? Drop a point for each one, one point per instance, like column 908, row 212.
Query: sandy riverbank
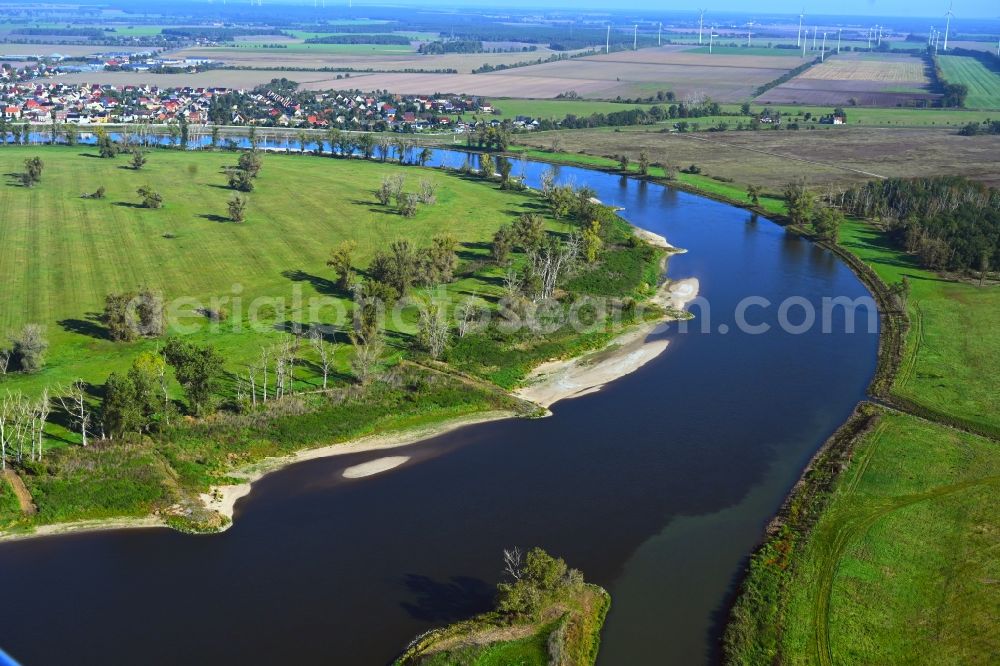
column 572, row 378
column 656, row 240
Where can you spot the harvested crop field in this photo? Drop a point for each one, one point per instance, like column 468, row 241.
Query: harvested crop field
column 628, row 74
column 46, row 50
column 869, row 79
column 219, row 78
column 380, row 57
column 834, row 156
column 891, row 69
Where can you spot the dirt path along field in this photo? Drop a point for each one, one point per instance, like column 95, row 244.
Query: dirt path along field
column 20, row 491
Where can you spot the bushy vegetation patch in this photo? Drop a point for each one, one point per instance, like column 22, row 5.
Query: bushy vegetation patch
column 545, row 614
column 110, row 480
column 409, row 396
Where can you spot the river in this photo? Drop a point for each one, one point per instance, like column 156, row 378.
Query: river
column 657, row 488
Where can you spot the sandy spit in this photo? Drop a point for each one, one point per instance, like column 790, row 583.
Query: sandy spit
column 571, row 378
column 656, row 240
column 374, row 467
column 223, row 498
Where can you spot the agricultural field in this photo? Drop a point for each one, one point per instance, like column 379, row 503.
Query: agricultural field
column 746, row 51
column 63, row 254
column 226, row 78
column 826, row 157
column 64, row 49
column 624, row 74
column 984, row 85
column 379, row 57
column 866, row 79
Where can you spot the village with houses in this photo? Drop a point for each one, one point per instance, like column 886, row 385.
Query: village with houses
column 47, row 100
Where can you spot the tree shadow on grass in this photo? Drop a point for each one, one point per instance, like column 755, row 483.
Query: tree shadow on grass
column 447, row 601
column 127, row 204
column 92, row 326
column 469, row 253
column 211, row 217
column 321, row 284
column 14, row 179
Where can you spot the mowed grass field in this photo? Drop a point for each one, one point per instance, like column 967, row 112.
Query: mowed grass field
column 984, row 85
column 901, row 568
column 951, row 361
column 557, row 109
column 61, row 255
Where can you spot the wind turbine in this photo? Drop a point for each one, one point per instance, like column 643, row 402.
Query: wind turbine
column 839, row 30
column 635, row 37
column 798, row 36
column 930, row 36
column 659, row 33
column 869, row 39
column 815, row 32
column 701, row 24
column 822, row 54
column 607, row 40
column 711, row 38
column 947, row 24
column 749, row 28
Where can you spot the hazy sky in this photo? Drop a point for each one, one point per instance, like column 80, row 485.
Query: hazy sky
column 964, row 9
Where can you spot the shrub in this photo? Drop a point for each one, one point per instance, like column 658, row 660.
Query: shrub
column 29, row 347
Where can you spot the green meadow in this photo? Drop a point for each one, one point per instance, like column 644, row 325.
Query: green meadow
column 984, row 85
column 62, row 254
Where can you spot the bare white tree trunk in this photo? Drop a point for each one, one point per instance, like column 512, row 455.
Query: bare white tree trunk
column 72, row 398
column 40, row 415
column 323, row 350
column 252, row 375
column 265, row 359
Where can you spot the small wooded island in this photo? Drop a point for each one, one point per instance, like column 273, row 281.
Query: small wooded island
column 545, row 614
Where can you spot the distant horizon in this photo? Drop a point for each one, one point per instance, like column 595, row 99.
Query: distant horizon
column 902, row 9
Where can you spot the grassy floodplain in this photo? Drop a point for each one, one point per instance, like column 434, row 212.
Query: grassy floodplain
column 64, row 253
column 67, row 253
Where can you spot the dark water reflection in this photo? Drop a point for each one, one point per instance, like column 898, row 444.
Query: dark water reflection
column 657, row 487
